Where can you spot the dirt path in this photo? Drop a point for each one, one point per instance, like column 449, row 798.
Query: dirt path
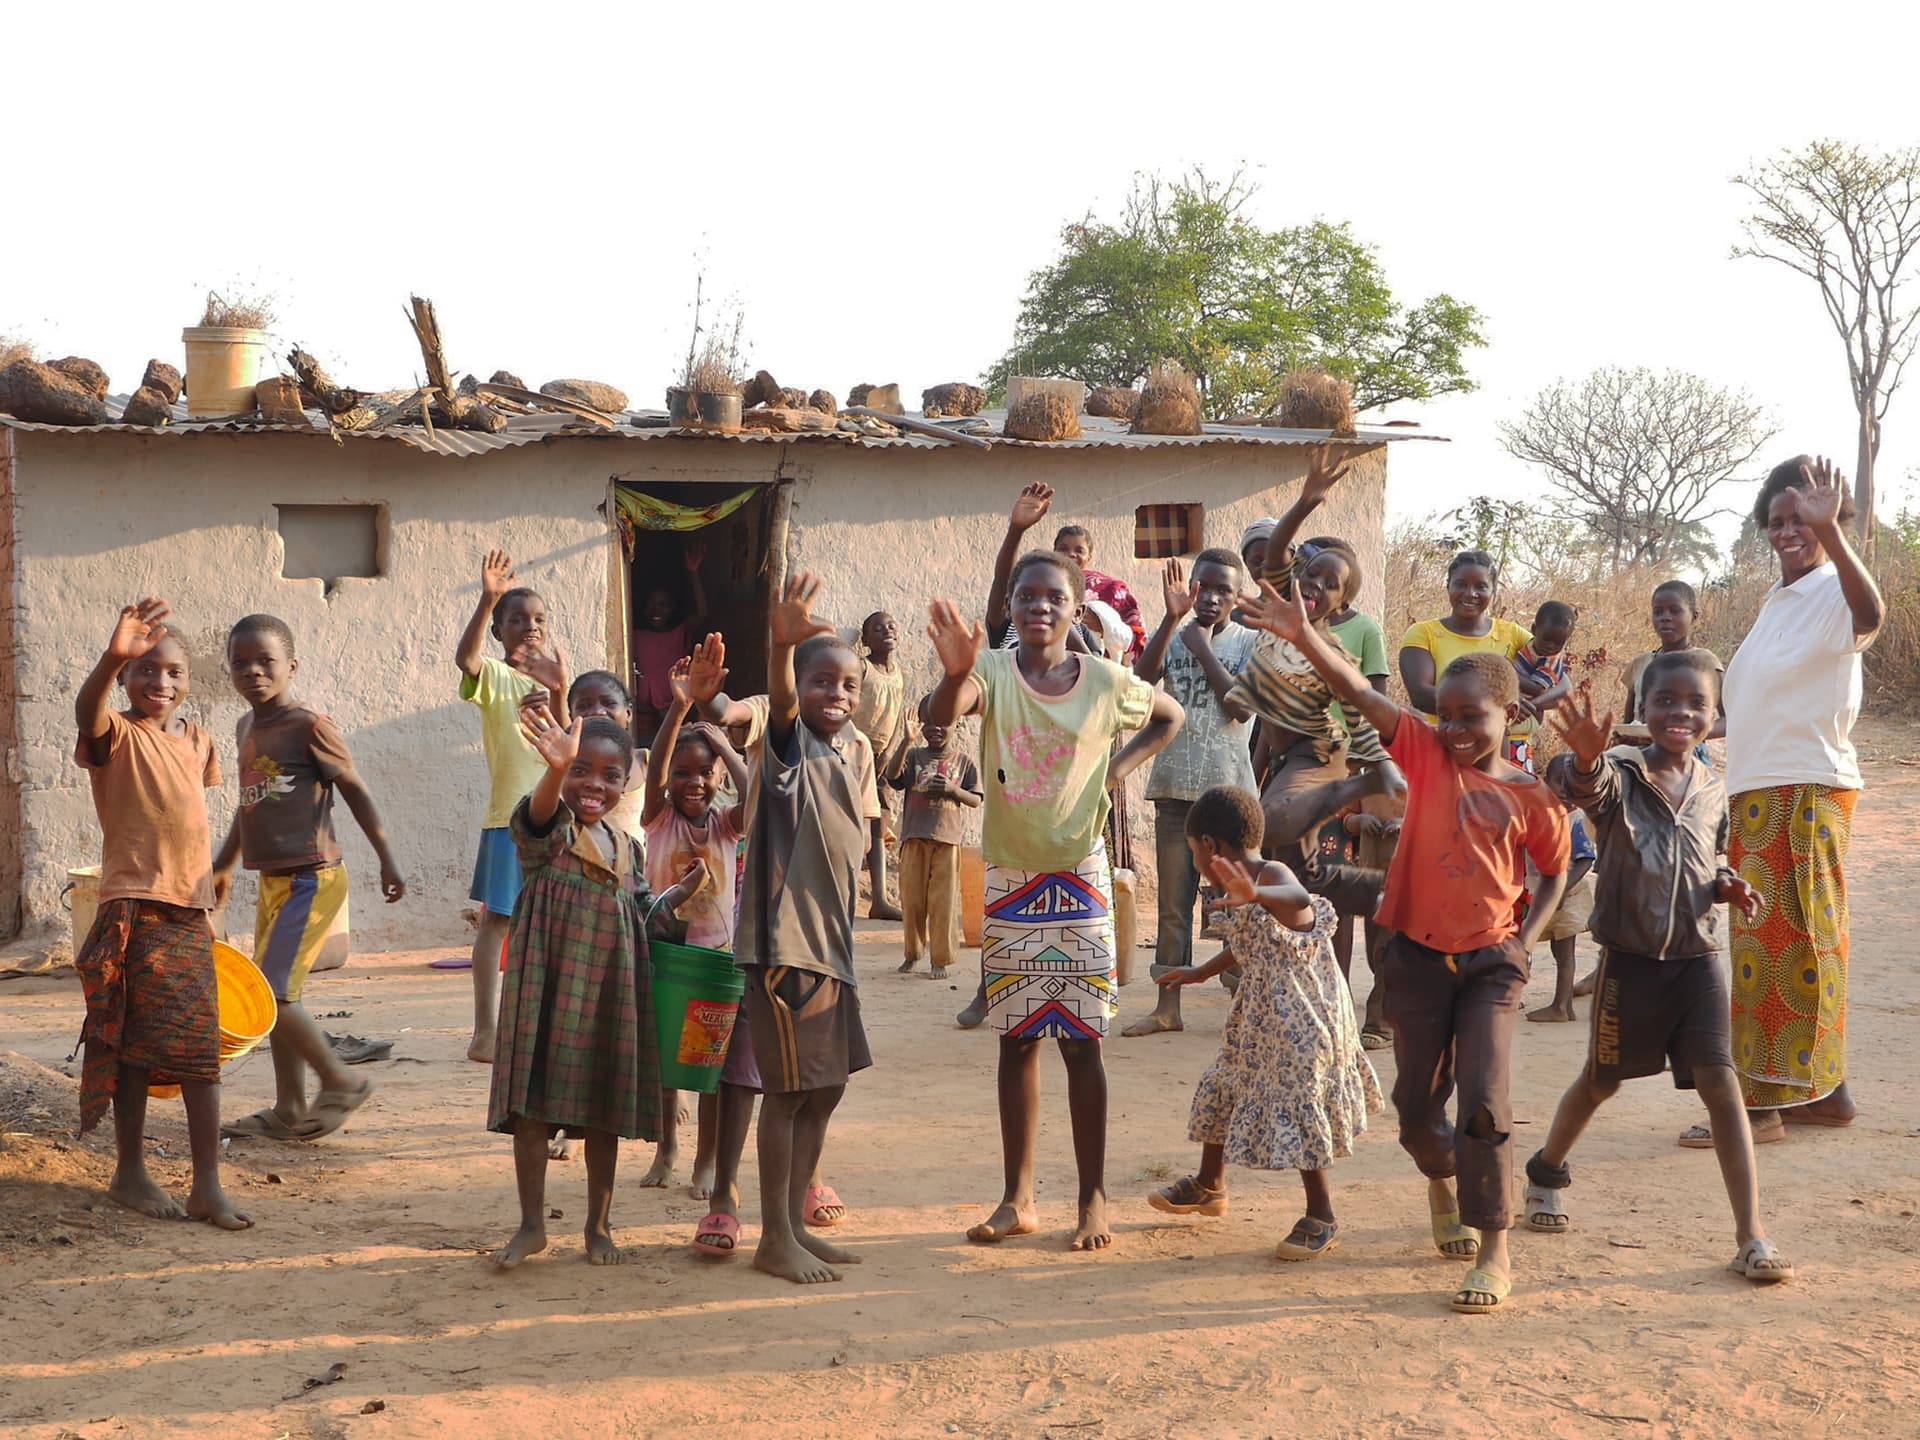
column 366, row 1253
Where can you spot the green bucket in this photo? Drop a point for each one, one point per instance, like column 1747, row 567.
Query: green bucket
column 696, row 999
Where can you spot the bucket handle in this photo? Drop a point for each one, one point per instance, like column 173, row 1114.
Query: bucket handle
column 66, row 896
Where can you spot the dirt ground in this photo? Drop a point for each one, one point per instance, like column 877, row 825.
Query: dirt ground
column 368, row 1254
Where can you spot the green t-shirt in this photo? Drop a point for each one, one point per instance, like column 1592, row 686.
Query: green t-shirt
column 514, row 765
column 1043, row 758
column 1366, row 642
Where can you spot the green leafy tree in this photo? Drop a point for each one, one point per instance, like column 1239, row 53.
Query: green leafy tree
column 1186, row 274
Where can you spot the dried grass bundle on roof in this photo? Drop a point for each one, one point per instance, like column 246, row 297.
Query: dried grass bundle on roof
column 1169, row 403
column 1115, row 402
column 1311, row 399
column 954, row 398
column 12, row 348
column 243, row 312
column 714, row 372
column 1044, row 416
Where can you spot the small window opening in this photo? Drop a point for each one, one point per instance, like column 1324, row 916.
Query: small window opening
column 1161, row 532
column 332, row 542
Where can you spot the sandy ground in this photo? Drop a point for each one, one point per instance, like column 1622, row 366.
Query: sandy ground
column 368, row 1254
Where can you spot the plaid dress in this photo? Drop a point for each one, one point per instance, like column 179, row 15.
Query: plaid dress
column 576, row 1041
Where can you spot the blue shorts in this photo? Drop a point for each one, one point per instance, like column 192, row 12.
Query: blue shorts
column 496, row 872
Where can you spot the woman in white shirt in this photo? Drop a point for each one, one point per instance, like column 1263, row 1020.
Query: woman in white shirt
column 1792, row 695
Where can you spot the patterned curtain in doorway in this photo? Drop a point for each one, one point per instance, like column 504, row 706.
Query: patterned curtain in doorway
column 641, row 511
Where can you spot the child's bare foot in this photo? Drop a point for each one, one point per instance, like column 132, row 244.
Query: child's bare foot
column 481, row 1049
column 826, row 1250
column 1553, row 1013
column 701, row 1186
column 975, row 1015
column 601, row 1250
column 791, row 1260
column 213, row 1207
column 906, row 966
column 1007, row 1220
column 136, row 1190
column 1160, row 1022
column 884, row 910
column 660, row 1174
column 1584, row 985
column 938, row 972
column 1093, row 1233
column 527, row 1240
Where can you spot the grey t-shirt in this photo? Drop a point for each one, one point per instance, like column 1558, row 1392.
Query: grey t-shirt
column 1212, row 747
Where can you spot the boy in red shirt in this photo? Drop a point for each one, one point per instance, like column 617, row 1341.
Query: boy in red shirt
column 1457, row 961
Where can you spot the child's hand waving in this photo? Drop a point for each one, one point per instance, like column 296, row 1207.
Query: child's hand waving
column 1234, row 880
column 792, row 619
column 707, row 670
column 139, row 629
column 1282, row 615
column 1322, row 477
column 1819, row 503
column 955, row 641
column 680, row 681
column 557, row 744
column 1030, row 506
column 1179, row 595
column 694, row 555
column 545, row 669
column 496, row 573
column 1584, row 736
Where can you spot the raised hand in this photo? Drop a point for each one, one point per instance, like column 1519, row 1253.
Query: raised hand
column 1322, row 476
column 1282, row 615
column 496, row 573
column 546, row 669
column 1585, row 736
column 1234, row 880
column 1826, row 490
column 139, row 629
column 712, row 734
column 1030, row 506
column 955, row 641
column 1735, row 891
column 557, row 744
column 792, row 618
column 707, row 669
column 1178, row 594
column 693, row 555
column 679, row 680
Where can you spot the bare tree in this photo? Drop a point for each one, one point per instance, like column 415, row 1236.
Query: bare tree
column 1637, row 457
column 1847, row 220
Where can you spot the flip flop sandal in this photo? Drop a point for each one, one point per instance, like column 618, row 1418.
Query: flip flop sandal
column 1700, row 1137
column 1544, row 1211
column 261, row 1125
column 1372, row 1037
column 1309, row 1239
column 1761, row 1262
column 1187, row 1196
column 352, row 1050
column 1447, row 1230
column 821, row 1198
column 718, row 1235
column 1481, row 1283
column 330, row 1111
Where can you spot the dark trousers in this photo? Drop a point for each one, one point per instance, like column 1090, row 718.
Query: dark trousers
column 1452, row 1019
column 1179, row 886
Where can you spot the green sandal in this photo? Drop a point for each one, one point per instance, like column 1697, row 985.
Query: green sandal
column 1481, row 1283
column 1448, row 1231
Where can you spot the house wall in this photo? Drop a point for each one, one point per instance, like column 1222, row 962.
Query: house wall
column 10, row 767
column 103, row 518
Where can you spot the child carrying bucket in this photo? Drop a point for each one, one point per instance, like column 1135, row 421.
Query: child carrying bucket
column 576, row 1041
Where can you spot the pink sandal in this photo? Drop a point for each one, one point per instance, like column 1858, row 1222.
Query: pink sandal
column 820, row 1199
column 718, row 1235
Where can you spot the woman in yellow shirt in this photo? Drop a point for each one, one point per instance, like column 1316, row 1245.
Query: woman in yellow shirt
column 1430, row 646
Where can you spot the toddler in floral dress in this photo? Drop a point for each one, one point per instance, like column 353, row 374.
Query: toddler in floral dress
column 1291, row 1088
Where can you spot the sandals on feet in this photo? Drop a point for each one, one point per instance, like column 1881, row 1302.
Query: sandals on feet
column 1375, row 1037
column 1761, row 1262
column 1309, row 1239
column 1700, row 1137
column 1187, row 1196
column 822, row 1199
column 261, row 1125
column 718, row 1235
column 1448, row 1231
column 330, row 1111
column 1482, row 1292
column 1544, row 1211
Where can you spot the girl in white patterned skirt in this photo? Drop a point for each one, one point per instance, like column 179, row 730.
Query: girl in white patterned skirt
column 1291, row 1087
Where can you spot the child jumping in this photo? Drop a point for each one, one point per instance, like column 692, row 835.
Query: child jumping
column 1455, row 966
column 1047, row 720
column 1661, row 996
column 882, row 718
column 807, row 840
column 147, row 963
column 292, row 760
column 517, row 618
column 577, row 1048
column 1291, row 1087
column 941, row 785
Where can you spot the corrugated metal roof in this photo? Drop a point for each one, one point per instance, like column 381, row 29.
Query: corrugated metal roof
column 1097, row 433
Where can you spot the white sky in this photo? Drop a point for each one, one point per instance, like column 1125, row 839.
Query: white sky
column 873, row 184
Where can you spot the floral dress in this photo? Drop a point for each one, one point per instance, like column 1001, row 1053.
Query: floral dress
column 1291, row 1088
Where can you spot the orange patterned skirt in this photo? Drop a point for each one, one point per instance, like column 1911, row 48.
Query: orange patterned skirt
column 1790, row 964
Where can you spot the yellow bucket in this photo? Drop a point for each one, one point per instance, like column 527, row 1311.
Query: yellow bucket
column 247, row 1008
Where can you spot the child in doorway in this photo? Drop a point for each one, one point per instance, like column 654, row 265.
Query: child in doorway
column 576, row 1046
column 1048, row 719
column 147, row 964
column 1662, row 994
column 1457, row 963
column 665, row 636
column 689, row 834
column 882, row 718
column 517, row 617
column 804, row 850
column 292, row 760
column 1291, row 1087
column 1541, row 664
column 941, row 785
column 1198, row 652
column 1575, row 911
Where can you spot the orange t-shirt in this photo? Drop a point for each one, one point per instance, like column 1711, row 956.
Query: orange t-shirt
column 149, row 795
column 1456, row 880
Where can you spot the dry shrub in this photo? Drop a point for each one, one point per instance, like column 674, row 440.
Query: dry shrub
column 714, row 370
column 1115, row 402
column 243, row 312
column 1169, row 403
column 12, row 348
column 956, row 398
column 1044, row 416
column 1311, row 399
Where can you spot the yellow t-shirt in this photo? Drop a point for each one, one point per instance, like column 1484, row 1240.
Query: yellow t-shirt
column 1043, row 758
column 1505, row 639
column 514, row 765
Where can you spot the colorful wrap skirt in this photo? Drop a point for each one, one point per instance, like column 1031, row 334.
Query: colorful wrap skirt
column 1047, row 949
